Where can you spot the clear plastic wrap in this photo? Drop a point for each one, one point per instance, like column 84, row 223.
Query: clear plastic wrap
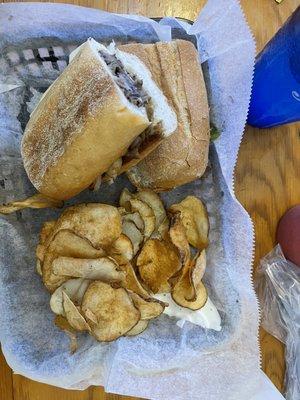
column 278, row 289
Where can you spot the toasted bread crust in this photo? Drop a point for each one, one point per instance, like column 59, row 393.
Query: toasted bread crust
column 81, row 126
column 183, row 156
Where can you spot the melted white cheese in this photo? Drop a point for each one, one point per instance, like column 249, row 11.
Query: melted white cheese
column 207, row 317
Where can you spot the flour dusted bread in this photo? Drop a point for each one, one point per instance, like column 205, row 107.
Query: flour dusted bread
column 183, row 156
column 90, row 117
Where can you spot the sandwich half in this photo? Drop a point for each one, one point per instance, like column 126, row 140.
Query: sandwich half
column 182, row 157
column 99, row 118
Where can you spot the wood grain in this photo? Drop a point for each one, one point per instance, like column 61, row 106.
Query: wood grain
column 266, row 181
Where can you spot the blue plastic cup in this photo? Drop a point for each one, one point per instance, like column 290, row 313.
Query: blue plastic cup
column 275, row 96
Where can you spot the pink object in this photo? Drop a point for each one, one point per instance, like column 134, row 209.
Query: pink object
column 288, row 234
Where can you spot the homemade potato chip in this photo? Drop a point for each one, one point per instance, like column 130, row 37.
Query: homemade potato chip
column 64, row 325
column 113, row 309
column 138, row 328
column 136, row 219
column 189, row 290
column 131, row 231
column 91, row 221
column 178, row 237
column 131, row 281
column 46, row 231
column 196, row 274
column 195, row 220
column 38, row 267
column 73, row 315
column 178, row 295
column 149, row 307
column 74, row 288
column 36, row 201
column 147, row 215
column 104, row 268
column 153, row 200
column 65, row 243
column 122, row 249
column 125, row 197
column 157, row 262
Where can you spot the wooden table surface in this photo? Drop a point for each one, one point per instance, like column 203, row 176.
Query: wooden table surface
column 266, row 182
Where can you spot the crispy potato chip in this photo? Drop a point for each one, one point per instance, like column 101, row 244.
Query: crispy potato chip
column 195, row 220
column 73, row 316
column 65, row 243
column 147, row 215
column 153, row 200
column 113, row 309
column 45, row 232
column 131, row 231
column 163, row 228
column 104, row 268
column 74, row 288
column 125, row 197
column 196, row 274
column 36, row 201
column 178, row 237
column 121, row 250
column 189, row 290
column 149, row 307
column 47, row 229
column 91, row 221
column 179, row 297
column 138, row 328
column 39, row 267
column 157, row 262
column 64, row 325
column 136, row 219
column 91, row 316
column 131, row 281
column 40, row 252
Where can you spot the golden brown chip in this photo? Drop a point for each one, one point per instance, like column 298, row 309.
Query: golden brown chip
column 153, row 200
column 45, row 232
column 64, row 325
column 99, row 223
column 73, row 316
column 136, row 219
column 147, row 215
column 125, row 197
column 178, row 237
column 39, row 267
column 131, row 231
column 157, row 262
column 47, row 229
column 131, row 281
column 178, row 295
column 149, row 307
column 140, row 327
column 65, row 243
column 196, row 274
column 121, row 250
column 36, row 201
column 113, row 310
column 104, row 268
column 163, row 229
column 195, row 220
column 74, row 288
column 189, row 290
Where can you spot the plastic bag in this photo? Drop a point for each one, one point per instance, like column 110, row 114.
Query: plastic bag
column 278, row 289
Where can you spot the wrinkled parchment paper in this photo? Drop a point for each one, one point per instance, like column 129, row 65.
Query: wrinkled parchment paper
column 165, row 362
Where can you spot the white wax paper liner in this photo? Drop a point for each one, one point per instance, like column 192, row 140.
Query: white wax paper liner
column 165, row 362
